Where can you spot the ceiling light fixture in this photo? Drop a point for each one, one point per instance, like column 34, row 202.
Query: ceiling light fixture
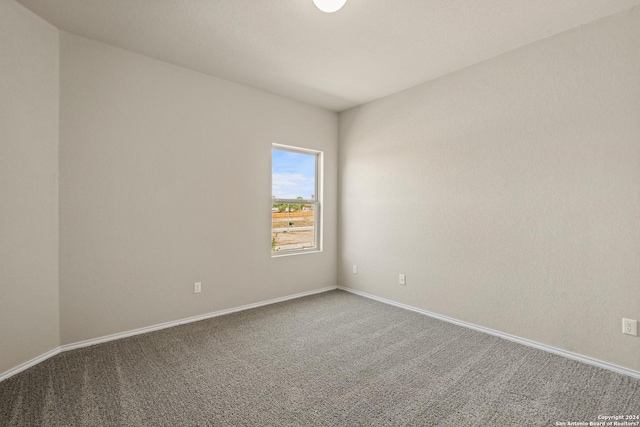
column 329, row 6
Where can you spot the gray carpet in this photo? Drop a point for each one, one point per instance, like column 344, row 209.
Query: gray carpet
column 332, row 359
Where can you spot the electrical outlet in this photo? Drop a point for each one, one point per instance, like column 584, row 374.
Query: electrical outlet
column 402, row 279
column 630, row 327
column 355, row 269
column 197, row 287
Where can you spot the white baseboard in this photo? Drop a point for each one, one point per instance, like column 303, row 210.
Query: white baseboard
column 568, row 354
column 29, row 363
column 524, row 341
column 152, row 328
column 173, row 323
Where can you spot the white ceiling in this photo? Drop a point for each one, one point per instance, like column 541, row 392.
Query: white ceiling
column 367, row 50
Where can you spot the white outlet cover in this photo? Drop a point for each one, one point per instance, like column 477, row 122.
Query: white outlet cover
column 630, row 327
column 197, row 287
column 402, row 279
column 355, row 269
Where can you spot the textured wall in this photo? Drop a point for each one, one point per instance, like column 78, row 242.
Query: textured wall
column 165, row 178
column 507, row 192
column 29, row 324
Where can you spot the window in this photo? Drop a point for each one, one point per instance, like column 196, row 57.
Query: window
column 295, row 204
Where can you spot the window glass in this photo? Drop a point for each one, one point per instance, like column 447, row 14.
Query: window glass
column 292, row 227
column 295, row 207
column 293, row 175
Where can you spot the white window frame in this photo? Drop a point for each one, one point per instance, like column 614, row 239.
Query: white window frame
column 317, row 202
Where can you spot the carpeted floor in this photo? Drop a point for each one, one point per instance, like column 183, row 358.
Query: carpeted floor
column 332, row 359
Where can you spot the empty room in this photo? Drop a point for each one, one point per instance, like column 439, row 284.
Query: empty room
column 319, row 213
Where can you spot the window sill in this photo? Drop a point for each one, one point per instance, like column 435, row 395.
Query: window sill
column 283, row 254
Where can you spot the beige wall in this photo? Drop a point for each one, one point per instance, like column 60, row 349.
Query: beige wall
column 29, row 323
column 165, row 179
column 509, row 192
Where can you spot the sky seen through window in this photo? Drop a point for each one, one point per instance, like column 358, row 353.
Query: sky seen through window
column 293, row 174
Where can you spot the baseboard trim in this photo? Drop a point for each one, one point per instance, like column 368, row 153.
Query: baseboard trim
column 165, row 325
column 29, row 363
column 544, row 347
column 146, row 329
